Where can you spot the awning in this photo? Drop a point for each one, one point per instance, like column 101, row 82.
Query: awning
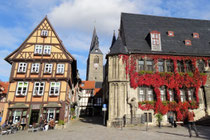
column 18, row 106
column 52, row 105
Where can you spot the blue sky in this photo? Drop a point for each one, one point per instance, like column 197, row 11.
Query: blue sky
column 74, row 21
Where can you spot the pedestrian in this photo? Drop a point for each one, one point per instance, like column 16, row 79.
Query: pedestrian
column 191, row 123
column 171, row 119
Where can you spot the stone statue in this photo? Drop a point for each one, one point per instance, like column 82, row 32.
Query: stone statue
column 134, row 106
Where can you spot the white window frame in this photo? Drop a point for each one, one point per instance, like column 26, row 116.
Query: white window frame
column 44, row 33
column 60, row 68
column 22, row 87
column 182, row 96
column 22, row 67
column 49, row 112
column 163, row 94
column 38, row 49
column 141, row 94
column 171, row 94
column 39, row 86
column 57, row 86
column 47, row 49
column 48, row 68
column 155, row 41
column 35, row 67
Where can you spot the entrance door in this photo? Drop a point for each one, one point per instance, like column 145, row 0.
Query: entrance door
column 34, row 116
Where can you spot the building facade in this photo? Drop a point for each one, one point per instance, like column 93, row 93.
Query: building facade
column 3, row 94
column 90, row 99
column 95, row 61
column 42, row 77
column 158, row 65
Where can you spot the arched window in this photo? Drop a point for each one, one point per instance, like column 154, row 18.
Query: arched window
column 96, row 59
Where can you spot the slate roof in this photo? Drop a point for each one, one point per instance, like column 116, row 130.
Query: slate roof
column 136, row 29
column 94, row 47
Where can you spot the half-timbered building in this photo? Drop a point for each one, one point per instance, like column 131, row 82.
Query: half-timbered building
column 155, row 66
column 42, row 77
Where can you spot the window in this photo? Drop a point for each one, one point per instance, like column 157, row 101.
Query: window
column 22, row 67
column 44, row 33
column 155, row 41
column 96, row 59
column 182, row 95
column 47, row 49
column 141, row 94
column 38, row 88
column 195, row 35
column 169, row 66
column 188, row 42
column 145, row 93
column 38, row 49
column 141, row 65
column 60, row 68
column 201, row 66
column 48, row 68
column 170, row 33
column 162, row 94
column 180, row 66
column 50, row 114
column 149, row 65
column 54, row 88
column 149, row 117
column 35, row 68
column 160, row 65
column 190, row 94
column 189, row 66
column 171, row 94
column 16, row 116
column 150, row 94
column 22, row 88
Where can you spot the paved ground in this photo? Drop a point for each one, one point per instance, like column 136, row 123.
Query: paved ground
column 89, row 129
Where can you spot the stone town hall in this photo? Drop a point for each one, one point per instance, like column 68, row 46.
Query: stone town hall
column 158, row 65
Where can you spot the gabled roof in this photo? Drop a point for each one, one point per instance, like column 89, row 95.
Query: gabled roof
column 94, row 47
column 87, row 85
column 23, row 44
column 135, row 29
column 4, row 87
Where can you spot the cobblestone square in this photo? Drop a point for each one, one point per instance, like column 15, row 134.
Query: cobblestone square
column 91, row 129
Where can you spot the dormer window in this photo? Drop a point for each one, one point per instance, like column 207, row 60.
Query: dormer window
column 170, row 33
column 195, row 35
column 44, row 33
column 155, row 41
column 188, row 42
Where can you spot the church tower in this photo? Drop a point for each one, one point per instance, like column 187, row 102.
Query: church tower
column 95, row 61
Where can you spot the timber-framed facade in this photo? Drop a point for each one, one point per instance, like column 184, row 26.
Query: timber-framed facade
column 42, row 78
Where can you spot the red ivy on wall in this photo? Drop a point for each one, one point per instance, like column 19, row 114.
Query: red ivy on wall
column 170, row 80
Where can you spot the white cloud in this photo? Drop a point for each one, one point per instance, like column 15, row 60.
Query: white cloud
column 81, row 14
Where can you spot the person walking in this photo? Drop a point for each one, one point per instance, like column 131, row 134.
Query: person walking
column 171, row 119
column 191, row 123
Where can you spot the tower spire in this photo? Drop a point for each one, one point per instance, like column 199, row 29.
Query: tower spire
column 113, row 38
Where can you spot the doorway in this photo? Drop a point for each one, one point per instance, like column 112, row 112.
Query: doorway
column 34, row 117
